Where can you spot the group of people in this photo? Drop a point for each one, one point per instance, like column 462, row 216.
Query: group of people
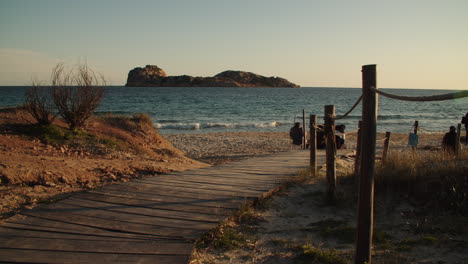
column 296, row 134
column 448, row 142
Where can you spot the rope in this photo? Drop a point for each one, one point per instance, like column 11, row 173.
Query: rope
column 401, row 140
column 350, row 110
column 440, row 97
column 380, row 140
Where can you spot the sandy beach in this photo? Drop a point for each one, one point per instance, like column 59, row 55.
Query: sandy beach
column 216, row 148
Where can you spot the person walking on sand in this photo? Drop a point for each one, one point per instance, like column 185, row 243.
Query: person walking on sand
column 449, row 140
column 296, row 134
column 465, row 122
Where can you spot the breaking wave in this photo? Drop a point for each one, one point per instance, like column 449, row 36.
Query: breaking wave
column 198, row 126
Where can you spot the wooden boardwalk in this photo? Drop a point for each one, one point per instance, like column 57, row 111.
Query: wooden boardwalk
column 150, row 220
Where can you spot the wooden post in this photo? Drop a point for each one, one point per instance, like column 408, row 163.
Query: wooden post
column 313, row 145
column 357, row 161
column 416, row 125
column 385, row 147
column 366, row 181
column 457, row 143
column 303, row 130
column 330, row 150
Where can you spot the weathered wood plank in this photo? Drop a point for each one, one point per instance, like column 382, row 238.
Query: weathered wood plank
column 56, row 234
column 77, row 208
column 197, row 209
column 232, row 203
column 205, row 186
column 129, row 206
column 136, row 213
column 42, row 216
column 82, row 245
column 51, row 256
column 193, row 189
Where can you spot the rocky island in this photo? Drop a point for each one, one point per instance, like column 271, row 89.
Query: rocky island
column 154, row 76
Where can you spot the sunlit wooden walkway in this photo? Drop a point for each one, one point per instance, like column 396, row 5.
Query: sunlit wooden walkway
column 151, row 220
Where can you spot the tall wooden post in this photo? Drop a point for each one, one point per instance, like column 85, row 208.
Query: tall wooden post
column 457, row 143
column 416, row 126
column 385, row 148
column 330, row 150
column 303, row 130
column 313, row 145
column 366, row 181
column 357, row 161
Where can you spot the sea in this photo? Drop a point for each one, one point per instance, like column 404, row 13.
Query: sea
column 177, row 110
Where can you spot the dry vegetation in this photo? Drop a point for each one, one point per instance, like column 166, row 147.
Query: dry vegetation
column 40, row 162
column 420, row 217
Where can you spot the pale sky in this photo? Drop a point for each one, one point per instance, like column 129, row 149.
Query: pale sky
column 415, row 43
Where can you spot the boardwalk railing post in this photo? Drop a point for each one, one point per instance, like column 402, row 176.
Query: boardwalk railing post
column 385, row 148
column 366, row 181
column 357, row 161
column 313, row 145
column 457, row 143
column 303, row 130
column 330, row 150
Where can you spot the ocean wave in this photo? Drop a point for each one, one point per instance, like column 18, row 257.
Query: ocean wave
column 177, row 126
column 197, row 126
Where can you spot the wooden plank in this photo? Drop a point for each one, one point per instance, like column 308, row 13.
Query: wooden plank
column 127, row 206
column 68, row 229
column 228, row 202
column 28, row 233
column 74, row 245
column 156, row 215
column 228, row 176
column 194, row 189
column 156, row 191
column 215, row 183
column 77, row 208
column 50, row 256
column 171, row 210
column 42, row 216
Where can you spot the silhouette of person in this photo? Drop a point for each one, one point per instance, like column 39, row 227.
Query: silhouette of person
column 449, row 140
column 296, row 134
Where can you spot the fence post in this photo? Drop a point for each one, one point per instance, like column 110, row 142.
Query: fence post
column 313, row 145
column 416, row 125
column 303, row 130
column 357, row 161
column 457, row 143
column 366, row 181
column 385, row 148
column 330, row 150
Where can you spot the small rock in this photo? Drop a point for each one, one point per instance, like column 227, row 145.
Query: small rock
column 50, row 184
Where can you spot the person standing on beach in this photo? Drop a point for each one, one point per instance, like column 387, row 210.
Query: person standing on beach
column 465, row 122
column 296, row 134
column 449, row 141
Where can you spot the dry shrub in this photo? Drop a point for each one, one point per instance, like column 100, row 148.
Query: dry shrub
column 39, row 103
column 76, row 93
column 428, row 174
column 137, row 122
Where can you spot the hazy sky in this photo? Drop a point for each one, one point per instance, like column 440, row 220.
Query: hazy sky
column 415, row 43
